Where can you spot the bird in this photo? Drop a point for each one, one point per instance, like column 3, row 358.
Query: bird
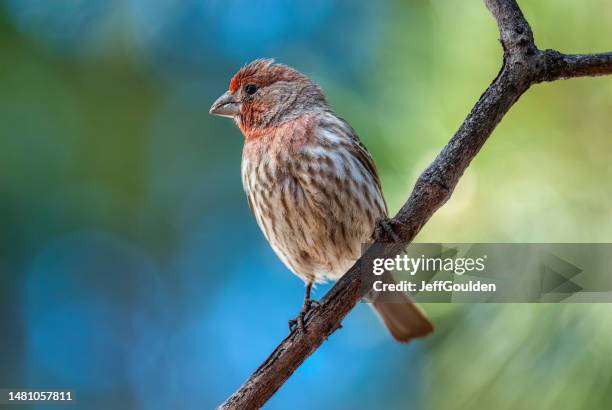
column 310, row 182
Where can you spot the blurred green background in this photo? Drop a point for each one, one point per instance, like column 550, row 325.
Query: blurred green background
column 132, row 272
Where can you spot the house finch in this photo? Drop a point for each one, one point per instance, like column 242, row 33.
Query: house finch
column 309, row 181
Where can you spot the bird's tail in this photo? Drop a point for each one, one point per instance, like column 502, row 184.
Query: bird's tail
column 405, row 321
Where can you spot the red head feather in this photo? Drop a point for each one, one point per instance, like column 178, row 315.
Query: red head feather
column 283, row 92
column 249, row 73
column 262, row 72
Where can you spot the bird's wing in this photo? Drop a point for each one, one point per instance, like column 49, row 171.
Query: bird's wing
column 356, row 148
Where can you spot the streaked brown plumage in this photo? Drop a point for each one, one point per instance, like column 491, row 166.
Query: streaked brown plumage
column 309, row 180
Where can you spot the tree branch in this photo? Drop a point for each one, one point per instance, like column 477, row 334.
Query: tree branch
column 561, row 66
column 524, row 65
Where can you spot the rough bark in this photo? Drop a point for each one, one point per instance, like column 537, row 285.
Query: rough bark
column 523, row 65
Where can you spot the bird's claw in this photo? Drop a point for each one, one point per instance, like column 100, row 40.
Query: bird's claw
column 298, row 323
column 387, row 228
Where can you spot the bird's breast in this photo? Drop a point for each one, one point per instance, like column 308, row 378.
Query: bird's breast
column 313, row 206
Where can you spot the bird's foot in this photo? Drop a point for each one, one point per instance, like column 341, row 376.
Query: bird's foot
column 388, row 230
column 298, row 323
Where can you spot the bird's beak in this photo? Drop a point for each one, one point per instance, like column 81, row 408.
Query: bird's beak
column 225, row 106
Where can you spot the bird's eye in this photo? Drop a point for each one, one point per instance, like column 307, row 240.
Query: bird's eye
column 250, row 89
